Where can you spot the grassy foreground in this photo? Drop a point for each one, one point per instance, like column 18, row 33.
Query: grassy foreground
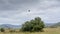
column 47, row 31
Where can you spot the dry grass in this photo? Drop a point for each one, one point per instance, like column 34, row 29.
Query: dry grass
column 47, row 31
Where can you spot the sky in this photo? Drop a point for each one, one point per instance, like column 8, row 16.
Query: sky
column 16, row 11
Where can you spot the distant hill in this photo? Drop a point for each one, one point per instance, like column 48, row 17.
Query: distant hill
column 10, row 26
column 19, row 26
column 49, row 24
column 56, row 25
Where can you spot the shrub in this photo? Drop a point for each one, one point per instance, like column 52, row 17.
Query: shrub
column 12, row 30
column 2, row 30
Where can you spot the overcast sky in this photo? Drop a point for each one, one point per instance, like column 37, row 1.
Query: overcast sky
column 16, row 11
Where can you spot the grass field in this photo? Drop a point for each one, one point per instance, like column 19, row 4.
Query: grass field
column 46, row 31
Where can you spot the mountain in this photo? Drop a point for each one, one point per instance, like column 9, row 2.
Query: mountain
column 56, row 25
column 19, row 26
column 10, row 26
column 49, row 24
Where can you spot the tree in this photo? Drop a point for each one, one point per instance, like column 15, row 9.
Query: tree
column 33, row 25
column 2, row 30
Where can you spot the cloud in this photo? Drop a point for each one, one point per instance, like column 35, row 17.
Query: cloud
column 16, row 4
column 16, row 11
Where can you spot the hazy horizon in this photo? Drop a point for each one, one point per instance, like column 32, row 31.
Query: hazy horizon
column 16, row 11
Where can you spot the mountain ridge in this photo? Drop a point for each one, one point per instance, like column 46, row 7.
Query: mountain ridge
column 56, row 25
column 10, row 26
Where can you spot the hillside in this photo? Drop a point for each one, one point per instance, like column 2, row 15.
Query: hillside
column 49, row 24
column 9, row 26
column 56, row 25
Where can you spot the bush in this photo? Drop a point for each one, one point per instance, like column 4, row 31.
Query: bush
column 2, row 30
column 34, row 25
column 12, row 31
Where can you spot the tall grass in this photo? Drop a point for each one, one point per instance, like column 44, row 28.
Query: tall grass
column 46, row 31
